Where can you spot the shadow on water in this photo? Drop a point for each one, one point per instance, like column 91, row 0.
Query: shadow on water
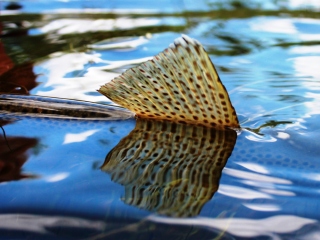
column 13, row 154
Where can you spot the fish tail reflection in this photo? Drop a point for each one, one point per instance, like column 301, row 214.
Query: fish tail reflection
column 170, row 168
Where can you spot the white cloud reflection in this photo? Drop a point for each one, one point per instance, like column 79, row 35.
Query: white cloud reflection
column 57, row 177
column 245, row 228
column 120, row 43
column 41, row 224
column 241, row 193
column 262, row 207
column 78, row 137
column 284, row 26
column 304, row 3
column 307, row 66
column 254, row 176
column 289, row 27
column 239, row 227
column 283, row 135
column 277, row 192
column 254, row 167
column 305, row 49
column 67, row 26
column 258, row 138
column 58, row 84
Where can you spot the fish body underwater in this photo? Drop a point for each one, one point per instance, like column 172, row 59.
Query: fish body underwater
column 175, row 158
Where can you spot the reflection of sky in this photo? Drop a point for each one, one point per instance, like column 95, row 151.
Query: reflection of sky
column 79, row 75
column 68, row 26
column 61, row 82
column 111, row 6
column 84, row 65
column 56, row 84
column 271, row 80
column 303, row 28
column 307, row 66
column 143, row 6
column 304, row 3
column 246, row 228
column 277, row 227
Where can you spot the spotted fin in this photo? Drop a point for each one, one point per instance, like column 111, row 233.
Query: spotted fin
column 179, row 84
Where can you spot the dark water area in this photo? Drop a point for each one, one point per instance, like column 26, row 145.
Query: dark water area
column 68, row 178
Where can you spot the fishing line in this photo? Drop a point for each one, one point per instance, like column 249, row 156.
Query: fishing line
column 242, row 86
column 5, row 138
column 272, row 111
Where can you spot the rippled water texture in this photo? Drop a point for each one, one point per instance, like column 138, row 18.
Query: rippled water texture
column 121, row 179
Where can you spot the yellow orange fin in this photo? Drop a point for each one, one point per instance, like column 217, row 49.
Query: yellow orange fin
column 179, row 84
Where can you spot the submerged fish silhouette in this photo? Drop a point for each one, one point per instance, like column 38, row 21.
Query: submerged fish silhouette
column 179, row 84
column 13, row 158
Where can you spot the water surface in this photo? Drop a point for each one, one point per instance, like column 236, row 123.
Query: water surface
column 267, row 56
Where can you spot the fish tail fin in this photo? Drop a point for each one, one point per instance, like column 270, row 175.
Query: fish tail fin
column 179, row 84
